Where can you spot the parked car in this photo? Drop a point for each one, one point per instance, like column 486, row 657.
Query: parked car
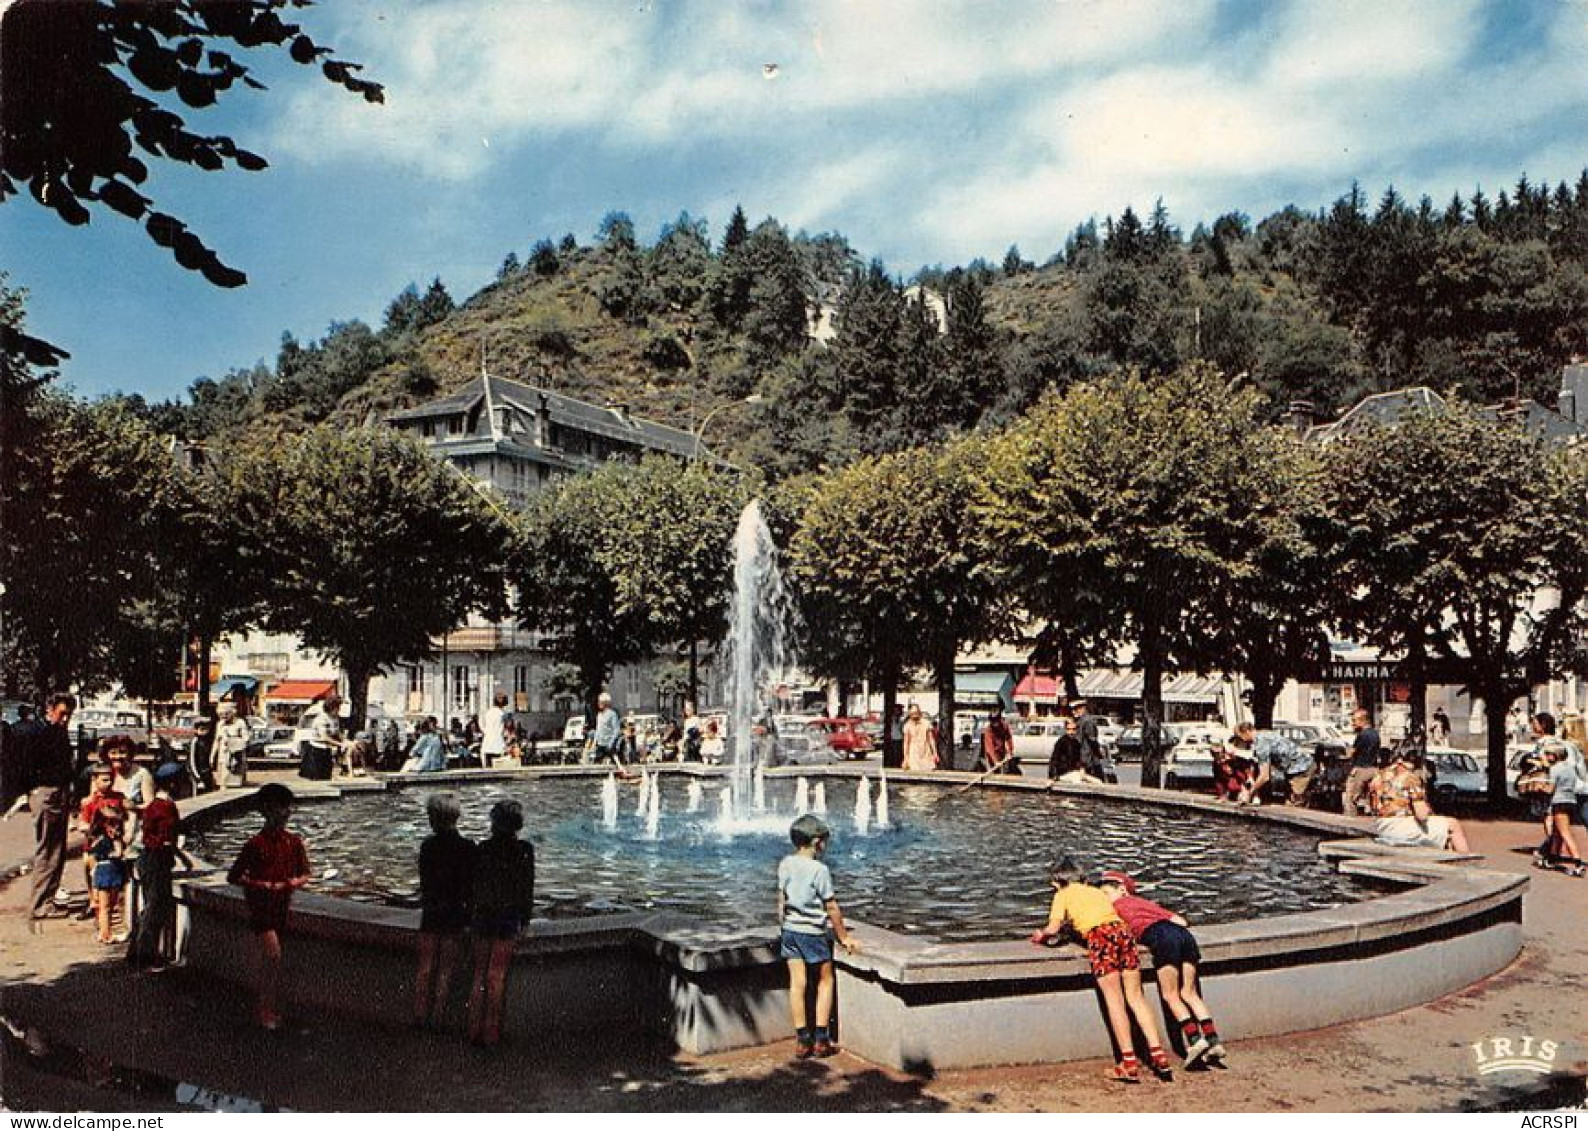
column 276, row 744
column 846, row 738
column 1189, row 759
column 1458, row 777
column 1034, row 739
column 573, row 732
column 1127, row 747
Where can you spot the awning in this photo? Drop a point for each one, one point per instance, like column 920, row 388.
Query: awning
column 224, row 686
column 1041, row 687
column 983, row 689
column 1115, row 683
column 301, row 690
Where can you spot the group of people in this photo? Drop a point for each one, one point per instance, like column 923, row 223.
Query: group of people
column 125, row 826
column 1553, row 779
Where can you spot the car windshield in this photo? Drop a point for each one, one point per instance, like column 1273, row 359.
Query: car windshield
column 1130, row 733
column 1456, row 763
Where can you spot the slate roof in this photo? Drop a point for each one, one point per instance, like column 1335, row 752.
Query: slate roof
column 1386, row 410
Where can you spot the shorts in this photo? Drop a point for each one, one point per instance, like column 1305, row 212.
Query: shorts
column 497, row 924
column 1110, row 948
column 798, row 946
column 444, row 920
column 267, row 910
column 1567, row 807
column 108, row 875
column 1171, row 944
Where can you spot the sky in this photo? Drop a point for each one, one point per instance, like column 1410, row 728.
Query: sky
column 925, row 132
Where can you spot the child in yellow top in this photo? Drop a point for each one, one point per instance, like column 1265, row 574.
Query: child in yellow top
column 1111, row 950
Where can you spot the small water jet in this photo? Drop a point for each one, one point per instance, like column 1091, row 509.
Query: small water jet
column 760, row 789
column 819, row 802
column 609, row 803
column 653, row 811
column 883, row 823
column 802, row 797
column 863, row 808
column 696, row 796
column 643, row 799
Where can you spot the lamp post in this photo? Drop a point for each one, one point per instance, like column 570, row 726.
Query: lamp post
column 752, row 399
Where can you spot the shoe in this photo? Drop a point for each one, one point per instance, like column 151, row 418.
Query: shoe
column 1122, row 1075
column 1161, row 1068
column 1217, row 1054
column 62, row 897
column 51, row 913
column 1196, row 1050
column 119, row 937
column 825, row 1048
column 804, row 1050
column 1539, row 861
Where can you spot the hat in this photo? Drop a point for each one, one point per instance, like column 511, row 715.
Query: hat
column 168, row 771
column 1077, row 702
column 1114, row 876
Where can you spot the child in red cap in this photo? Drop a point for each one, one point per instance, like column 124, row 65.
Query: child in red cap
column 1175, row 956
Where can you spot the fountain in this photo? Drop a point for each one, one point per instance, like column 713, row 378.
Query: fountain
column 609, row 803
column 756, row 652
column 760, row 788
column 883, row 824
column 653, row 810
column 696, row 796
column 641, row 801
column 863, row 807
column 802, row 796
column 819, row 803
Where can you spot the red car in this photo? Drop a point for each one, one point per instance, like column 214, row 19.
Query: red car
column 846, row 738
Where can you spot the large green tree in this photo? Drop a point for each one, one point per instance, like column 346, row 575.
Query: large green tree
column 1125, row 504
column 370, row 547
column 890, row 573
column 1467, row 542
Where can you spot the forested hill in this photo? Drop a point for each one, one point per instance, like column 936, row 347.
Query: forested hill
column 1482, row 295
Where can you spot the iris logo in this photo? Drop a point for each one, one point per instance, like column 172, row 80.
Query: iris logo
column 1515, row 1054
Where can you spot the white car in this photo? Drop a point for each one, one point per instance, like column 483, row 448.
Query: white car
column 1190, row 759
column 573, row 732
column 1458, row 777
column 1034, row 739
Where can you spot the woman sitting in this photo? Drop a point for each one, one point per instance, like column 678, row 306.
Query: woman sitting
column 1404, row 818
column 428, row 755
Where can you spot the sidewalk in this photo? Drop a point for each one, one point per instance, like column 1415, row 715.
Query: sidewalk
column 112, row 1031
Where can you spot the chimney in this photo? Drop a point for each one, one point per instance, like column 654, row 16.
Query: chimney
column 1300, row 416
column 1574, row 392
column 543, row 422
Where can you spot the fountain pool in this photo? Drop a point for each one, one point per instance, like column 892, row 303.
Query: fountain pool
column 960, row 867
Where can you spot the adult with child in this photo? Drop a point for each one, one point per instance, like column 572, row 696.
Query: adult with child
column 1175, row 957
column 1111, row 951
column 1232, row 774
column 809, row 918
column 1274, row 755
column 446, row 891
column 502, row 896
column 428, row 756
column 1560, row 847
column 271, row 866
column 1367, row 757
column 1405, row 820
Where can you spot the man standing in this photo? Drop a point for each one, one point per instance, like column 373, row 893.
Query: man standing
column 1275, row 754
column 46, row 761
column 493, row 740
column 1366, row 756
column 324, row 744
column 608, row 729
column 997, row 745
column 1091, row 742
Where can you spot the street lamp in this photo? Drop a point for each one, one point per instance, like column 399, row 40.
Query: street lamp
column 753, row 398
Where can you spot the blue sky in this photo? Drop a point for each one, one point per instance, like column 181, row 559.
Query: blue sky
column 925, row 132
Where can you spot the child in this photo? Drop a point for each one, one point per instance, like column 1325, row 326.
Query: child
column 153, row 932
column 271, row 866
column 1232, row 774
column 1560, row 849
column 106, row 849
column 101, row 793
column 807, row 910
column 446, row 874
column 503, row 896
column 1112, row 952
column 1175, row 955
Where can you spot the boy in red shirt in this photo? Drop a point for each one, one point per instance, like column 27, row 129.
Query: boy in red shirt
column 153, row 934
column 1175, row 956
column 271, row 866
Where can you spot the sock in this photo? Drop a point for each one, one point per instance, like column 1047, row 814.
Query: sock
column 1209, row 1031
column 820, row 1032
column 1190, row 1030
column 804, row 1036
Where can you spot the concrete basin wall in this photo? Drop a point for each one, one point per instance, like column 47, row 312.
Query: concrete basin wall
column 910, row 1002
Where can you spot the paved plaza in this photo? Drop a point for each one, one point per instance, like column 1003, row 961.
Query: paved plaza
column 86, row 1033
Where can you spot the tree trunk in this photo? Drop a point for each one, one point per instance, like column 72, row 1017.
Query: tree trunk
column 1417, row 725
column 945, row 709
column 1151, row 710
column 357, row 696
column 694, row 672
column 1265, row 695
column 1496, row 709
column 202, row 686
column 892, row 754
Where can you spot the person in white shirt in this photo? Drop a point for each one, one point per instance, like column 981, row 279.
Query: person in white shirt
column 493, row 739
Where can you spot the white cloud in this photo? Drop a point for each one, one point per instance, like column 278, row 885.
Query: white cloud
column 1349, row 43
